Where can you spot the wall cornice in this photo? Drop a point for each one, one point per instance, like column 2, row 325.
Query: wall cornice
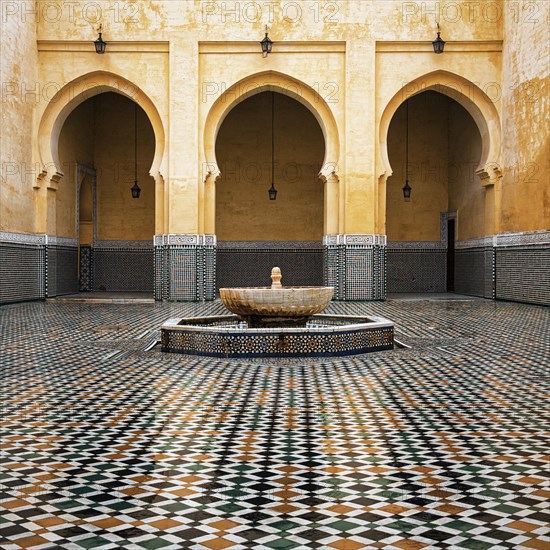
column 253, row 47
column 425, row 46
column 137, row 46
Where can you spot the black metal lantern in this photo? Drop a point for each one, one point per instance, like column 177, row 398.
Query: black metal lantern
column 438, row 43
column 100, row 44
column 136, row 190
column 407, row 191
column 267, row 44
column 272, row 192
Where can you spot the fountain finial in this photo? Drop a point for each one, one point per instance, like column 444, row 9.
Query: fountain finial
column 276, row 278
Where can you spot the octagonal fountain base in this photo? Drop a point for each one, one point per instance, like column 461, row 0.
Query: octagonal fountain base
column 228, row 336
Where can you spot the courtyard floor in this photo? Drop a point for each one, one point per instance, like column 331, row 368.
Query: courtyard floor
column 107, row 445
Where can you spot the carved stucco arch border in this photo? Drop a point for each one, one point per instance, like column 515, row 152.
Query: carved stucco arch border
column 470, row 96
column 76, row 92
column 274, row 81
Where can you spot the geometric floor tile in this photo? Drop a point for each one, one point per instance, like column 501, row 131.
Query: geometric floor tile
column 440, row 445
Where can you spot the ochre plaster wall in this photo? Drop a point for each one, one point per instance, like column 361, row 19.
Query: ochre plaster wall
column 466, row 194
column 20, row 90
column 243, row 152
column 99, row 134
column 357, row 53
column 76, row 146
column 119, row 216
column 525, row 191
column 418, row 220
column 444, row 154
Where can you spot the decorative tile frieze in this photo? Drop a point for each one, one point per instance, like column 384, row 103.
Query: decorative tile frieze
column 184, row 240
column 269, row 245
column 330, row 240
column 129, row 245
column 526, row 238
column 416, row 245
column 23, row 238
column 482, row 242
column 362, row 239
column 52, row 240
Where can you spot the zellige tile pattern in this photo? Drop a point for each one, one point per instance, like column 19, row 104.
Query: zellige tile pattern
column 105, row 445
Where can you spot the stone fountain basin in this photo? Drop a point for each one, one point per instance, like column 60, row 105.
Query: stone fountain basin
column 282, row 303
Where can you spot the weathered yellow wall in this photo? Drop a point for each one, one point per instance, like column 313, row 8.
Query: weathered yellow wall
column 244, row 211
column 76, row 146
column 444, row 153
column 357, row 53
column 466, row 194
column 525, row 193
column 119, row 216
column 100, row 134
column 20, row 92
column 418, row 220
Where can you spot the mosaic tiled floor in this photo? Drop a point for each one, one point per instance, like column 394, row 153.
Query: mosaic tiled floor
column 106, row 445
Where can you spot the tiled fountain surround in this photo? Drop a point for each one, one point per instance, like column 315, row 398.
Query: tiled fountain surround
column 324, row 336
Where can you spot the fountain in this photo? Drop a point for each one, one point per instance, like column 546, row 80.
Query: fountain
column 276, row 321
column 277, row 306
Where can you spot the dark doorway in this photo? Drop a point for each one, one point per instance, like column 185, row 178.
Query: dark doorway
column 451, row 255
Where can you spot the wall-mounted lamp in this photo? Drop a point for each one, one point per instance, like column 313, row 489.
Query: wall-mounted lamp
column 272, row 191
column 407, row 188
column 100, row 44
column 136, row 190
column 438, row 43
column 266, row 44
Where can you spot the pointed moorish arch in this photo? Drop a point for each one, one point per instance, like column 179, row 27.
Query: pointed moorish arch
column 469, row 95
column 70, row 96
column 273, row 81
column 479, row 106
